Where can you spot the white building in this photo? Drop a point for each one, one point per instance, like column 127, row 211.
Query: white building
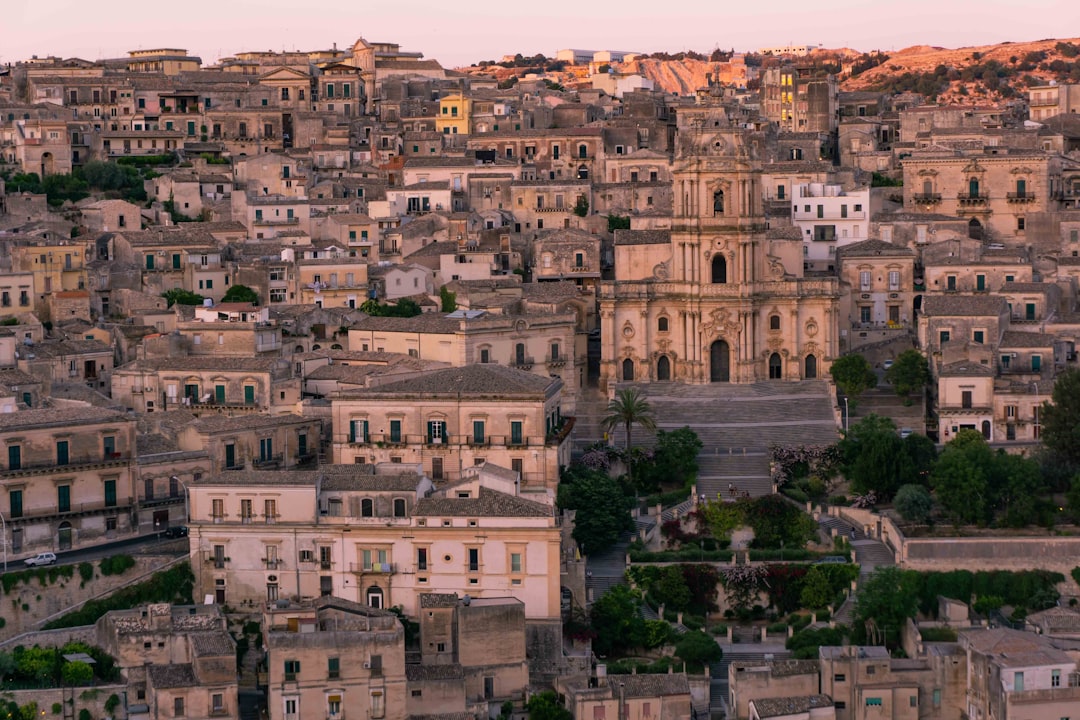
column 829, row 217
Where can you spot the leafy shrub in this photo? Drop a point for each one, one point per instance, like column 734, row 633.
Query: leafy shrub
column 86, row 571
column 85, row 714
column 796, row 494
column 116, row 564
column 57, row 708
column 777, row 628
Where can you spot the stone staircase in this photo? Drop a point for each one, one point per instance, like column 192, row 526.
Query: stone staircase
column 869, row 553
column 608, row 569
column 737, row 424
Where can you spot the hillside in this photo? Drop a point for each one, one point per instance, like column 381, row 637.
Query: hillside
column 989, row 72
column 984, row 73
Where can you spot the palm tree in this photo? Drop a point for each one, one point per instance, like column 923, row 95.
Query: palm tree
column 628, row 407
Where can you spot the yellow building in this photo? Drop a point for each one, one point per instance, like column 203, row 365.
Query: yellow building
column 454, row 115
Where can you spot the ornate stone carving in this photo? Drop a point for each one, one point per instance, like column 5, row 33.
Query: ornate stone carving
column 720, row 322
column 776, row 267
column 661, row 271
column 627, row 330
column 811, row 328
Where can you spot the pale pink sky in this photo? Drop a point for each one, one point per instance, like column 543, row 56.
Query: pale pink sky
column 473, row 30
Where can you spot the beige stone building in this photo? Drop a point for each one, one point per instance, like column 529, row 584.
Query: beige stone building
column 67, row 478
column 539, row 342
column 380, row 537
column 634, row 697
column 334, row 659
column 212, row 383
column 447, row 421
column 879, row 283
column 994, row 192
column 719, row 299
column 481, row 640
column 1018, row 675
column 262, row 442
column 178, row 661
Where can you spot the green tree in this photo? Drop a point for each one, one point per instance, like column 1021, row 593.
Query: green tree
column 1060, row 429
column 960, row 487
column 923, row 454
column 884, row 603
column 545, row 706
column 817, row 591
column 581, row 207
column 961, row 479
column 914, row 503
column 181, row 296
column 35, row 663
column 908, row 374
column 697, row 648
column 674, row 461
column 617, row 621
column 76, row 674
column 853, row 375
column 602, row 509
column 447, row 300
column 875, row 458
column 629, row 407
column 670, row 588
column 240, row 294
column 105, row 175
column 618, row 222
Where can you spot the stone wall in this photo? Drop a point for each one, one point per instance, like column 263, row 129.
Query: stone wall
column 90, row 698
column 28, row 605
column 51, row 638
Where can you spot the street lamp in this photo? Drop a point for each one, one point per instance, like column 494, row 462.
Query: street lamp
column 845, row 414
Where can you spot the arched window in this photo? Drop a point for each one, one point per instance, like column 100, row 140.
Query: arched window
column 663, row 369
column 973, row 187
column 374, row 596
column 719, row 269
column 367, row 507
column 583, row 151
column 583, row 173
column 986, row 429
column 399, row 507
column 718, row 202
column 928, row 187
column 774, row 322
column 811, row 367
column 298, row 349
column 628, row 370
column 519, row 354
column 662, row 324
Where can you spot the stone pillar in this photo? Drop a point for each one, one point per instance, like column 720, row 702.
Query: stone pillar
column 764, row 633
column 790, row 631
column 730, row 635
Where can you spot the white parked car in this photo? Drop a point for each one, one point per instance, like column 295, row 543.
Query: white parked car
column 887, row 364
column 41, row 559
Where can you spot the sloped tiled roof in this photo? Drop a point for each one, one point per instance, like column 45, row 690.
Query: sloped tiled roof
column 478, row 379
column 489, row 503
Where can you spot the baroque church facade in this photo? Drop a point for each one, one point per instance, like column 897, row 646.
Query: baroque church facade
column 722, row 298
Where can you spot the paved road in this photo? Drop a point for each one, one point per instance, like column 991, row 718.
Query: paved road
column 143, row 544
